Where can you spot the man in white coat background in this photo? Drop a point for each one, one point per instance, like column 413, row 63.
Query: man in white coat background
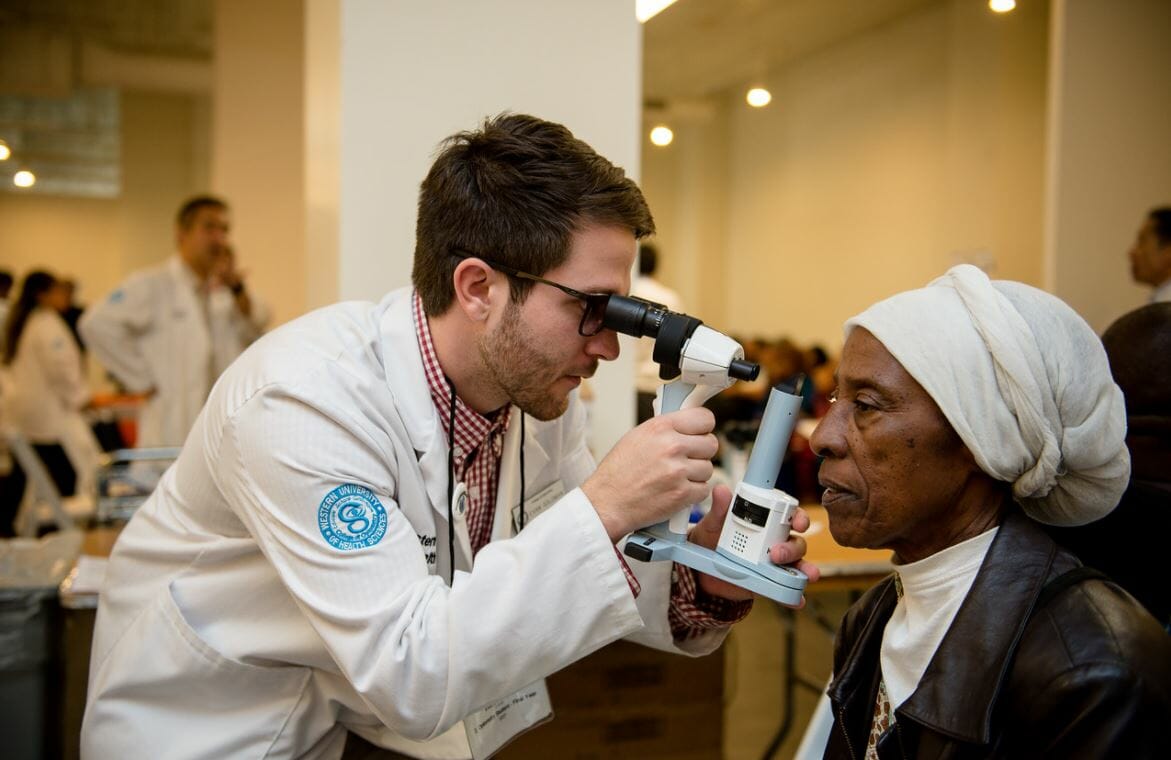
column 169, row 331
column 387, row 520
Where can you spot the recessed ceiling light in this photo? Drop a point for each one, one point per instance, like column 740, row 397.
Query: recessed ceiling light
column 758, row 97
column 645, row 10
column 662, row 135
column 1002, row 6
column 5, row 151
column 24, row 178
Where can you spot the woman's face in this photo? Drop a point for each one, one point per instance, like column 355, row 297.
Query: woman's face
column 56, row 297
column 896, row 474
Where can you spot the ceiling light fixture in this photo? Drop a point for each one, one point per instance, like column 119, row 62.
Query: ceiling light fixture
column 645, row 10
column 24, row 178
column 1002, row 6
column 758, row 97
column 5, row 151
column 662, row 136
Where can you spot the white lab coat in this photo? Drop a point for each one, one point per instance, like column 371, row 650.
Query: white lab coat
column 152, row 333
column 47, row 392
column 228, row 626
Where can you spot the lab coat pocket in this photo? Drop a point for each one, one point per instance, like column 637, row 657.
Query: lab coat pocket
column 174, row 682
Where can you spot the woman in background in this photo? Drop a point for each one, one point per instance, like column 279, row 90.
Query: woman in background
column 47, row 391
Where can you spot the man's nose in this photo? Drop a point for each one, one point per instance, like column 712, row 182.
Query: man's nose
column 604, row 345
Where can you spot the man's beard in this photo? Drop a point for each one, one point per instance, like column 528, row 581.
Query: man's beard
column 515, row 362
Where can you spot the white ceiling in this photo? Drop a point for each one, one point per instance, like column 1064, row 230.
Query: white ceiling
column 697, row 48
column 51, row 51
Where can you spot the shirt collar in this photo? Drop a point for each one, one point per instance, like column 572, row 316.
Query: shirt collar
column 471, row 427
column 1161, row 293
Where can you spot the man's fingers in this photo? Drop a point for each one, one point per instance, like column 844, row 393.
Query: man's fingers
column 700, row 470
column 695, row 421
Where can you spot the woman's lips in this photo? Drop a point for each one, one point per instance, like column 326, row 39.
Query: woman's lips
column 834, row 491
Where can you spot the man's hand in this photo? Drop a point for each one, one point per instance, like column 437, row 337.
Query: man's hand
column 230, row 276
column 655, row 470
column 707, row 533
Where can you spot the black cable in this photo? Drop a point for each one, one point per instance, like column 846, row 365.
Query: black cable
column 451, row 486
column 521, row 526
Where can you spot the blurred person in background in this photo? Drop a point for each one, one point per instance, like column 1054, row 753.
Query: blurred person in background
column 645, row 286
column 1127, row 544
column 968, row 415
column 169, row 331
column 1150, row 255
column 12, row 478
column 73, row 310
column 46, row 390
column 5, row 288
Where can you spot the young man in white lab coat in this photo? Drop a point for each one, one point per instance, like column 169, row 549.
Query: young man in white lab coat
column 331, row 552
column 171, row 330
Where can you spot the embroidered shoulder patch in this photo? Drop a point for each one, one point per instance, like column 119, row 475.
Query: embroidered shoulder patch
column 351, row 517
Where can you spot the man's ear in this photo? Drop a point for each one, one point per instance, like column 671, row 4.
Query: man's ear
column 476, row 284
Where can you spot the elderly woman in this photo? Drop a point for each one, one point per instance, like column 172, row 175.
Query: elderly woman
column 966, row 413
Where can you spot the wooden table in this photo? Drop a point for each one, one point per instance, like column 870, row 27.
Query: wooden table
column 842, row 568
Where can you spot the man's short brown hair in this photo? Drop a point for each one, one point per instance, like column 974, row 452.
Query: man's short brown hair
column 192, row 206
column 514, row 192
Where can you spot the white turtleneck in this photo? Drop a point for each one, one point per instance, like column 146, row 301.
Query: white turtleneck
column 1161, row 293
column 932, row 591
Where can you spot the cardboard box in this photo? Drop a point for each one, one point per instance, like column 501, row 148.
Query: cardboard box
column 624, row 673
column 628, row 701
column 652, row 731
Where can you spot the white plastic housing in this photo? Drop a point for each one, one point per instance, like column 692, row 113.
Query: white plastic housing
column 749, row 542
column 707, row 356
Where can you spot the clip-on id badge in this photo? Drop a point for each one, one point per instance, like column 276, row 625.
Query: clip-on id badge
column 537, row 504
column 492, row 727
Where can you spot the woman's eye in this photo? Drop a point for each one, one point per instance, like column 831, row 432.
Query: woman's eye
column 862, row 406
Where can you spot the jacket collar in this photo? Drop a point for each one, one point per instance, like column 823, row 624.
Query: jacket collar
column 412, row 397
column 976, row 653
column 183, row 275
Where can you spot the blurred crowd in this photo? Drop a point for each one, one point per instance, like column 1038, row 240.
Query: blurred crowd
column 160, row 338
column 807, row 371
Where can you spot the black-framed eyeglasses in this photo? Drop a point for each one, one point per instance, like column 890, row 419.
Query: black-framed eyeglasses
column 594, row 310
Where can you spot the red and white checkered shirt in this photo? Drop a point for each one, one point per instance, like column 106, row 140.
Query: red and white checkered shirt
column 478, row 443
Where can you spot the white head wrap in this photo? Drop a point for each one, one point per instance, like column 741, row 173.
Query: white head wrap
column 1023, row 380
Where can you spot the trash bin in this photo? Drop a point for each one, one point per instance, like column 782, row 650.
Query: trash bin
column 30, row 571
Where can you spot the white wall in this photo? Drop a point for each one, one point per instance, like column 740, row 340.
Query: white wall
column 1110, row 147
column 416, row 71
column 258, row 137
column 880, row 162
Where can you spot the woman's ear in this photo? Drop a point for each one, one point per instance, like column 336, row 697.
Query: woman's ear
column 474, row 284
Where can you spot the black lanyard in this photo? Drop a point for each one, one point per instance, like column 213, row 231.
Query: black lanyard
column 451, row 482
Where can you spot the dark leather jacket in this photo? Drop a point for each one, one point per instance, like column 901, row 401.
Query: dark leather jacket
column 1086, row 675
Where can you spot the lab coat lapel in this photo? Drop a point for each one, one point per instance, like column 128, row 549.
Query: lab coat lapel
column 508, row 490
column 420, row 419
column 412, row 397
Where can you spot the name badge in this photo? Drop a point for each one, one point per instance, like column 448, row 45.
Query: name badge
column 492, row 727
column 536, row 504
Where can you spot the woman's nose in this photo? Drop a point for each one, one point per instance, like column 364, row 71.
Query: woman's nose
column 827, row 439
